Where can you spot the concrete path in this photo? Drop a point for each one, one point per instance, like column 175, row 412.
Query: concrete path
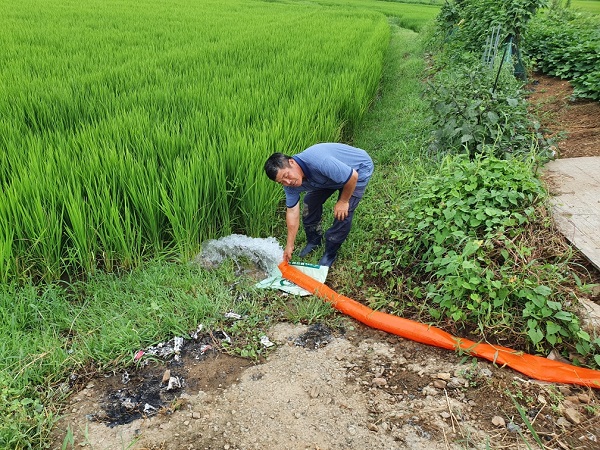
column 575, row 185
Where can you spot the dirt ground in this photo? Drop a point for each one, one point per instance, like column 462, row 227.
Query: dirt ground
column 348, row 388
column 574, row 124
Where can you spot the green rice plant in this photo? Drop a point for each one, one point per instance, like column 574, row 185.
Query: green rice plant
column 410, row 14
column 592, row 6
column 129, row 133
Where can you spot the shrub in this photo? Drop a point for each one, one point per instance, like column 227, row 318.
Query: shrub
column 566, row 44
column 464, row 240
column 471, row 110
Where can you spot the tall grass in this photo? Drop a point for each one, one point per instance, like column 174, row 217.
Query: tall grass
column 128, row 130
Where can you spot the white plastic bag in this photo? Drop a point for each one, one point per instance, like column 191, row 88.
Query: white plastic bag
column 277, row 281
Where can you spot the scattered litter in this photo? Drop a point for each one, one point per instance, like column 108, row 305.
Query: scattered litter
column 135, row 402
column 204, row 348
column 167, row 349
column 316, row 336
column 138, row 355
column 277, row 281
column 149, row 409
column 178, row 344
column 264, row 340
column 222, row 336
column 194, row 335
column 128, row 403
column 232, row 315
column 125, row 378
column 174, row 383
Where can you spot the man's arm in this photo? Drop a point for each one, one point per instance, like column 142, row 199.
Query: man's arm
column 292, row 220
column 340, row 210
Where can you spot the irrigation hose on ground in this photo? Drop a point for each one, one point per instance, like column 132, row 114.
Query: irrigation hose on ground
column 536, row 367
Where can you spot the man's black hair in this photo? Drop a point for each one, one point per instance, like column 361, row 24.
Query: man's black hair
column 276, row 162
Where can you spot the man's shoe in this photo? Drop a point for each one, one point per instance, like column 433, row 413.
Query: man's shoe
column 308, row 249
column 313, row 238
column 330, row 255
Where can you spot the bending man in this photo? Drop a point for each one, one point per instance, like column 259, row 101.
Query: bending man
column 319, row 171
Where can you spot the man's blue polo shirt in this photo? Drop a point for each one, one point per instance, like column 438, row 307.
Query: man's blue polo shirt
column 329, row 166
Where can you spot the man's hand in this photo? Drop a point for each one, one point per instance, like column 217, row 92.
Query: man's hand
column 287, row 253
column 340, row 210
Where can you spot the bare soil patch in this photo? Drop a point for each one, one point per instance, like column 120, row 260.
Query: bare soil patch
column 359, row 388
column 575, row 124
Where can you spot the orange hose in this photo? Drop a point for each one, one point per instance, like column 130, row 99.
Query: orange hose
column 536, row 367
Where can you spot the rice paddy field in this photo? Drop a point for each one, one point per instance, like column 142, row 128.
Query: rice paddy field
column 131, row 129
column 592, row 6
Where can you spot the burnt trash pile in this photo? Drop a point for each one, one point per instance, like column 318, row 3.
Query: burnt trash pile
column 144, row 393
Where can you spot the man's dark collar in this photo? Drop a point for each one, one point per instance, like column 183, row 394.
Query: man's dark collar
column 303, row 166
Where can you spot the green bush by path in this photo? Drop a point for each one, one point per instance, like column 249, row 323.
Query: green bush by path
column 475, row 86
column 464, row 249
column 566, row 44
column 127, row 129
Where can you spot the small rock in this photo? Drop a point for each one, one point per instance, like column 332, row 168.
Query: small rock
column 513, row 428
column 562, row 422
column 430, row 390
column 573, row 399
column 486, row 372
column 439, row 384
column 443, row 376
column 573, row 416
column 166, row 376
column 373, row 427
column 456, row 383
column 314, row 392
column 379, row 382
column 498, row 421
column 584, row 398
column 196, row 415
column 541, row 399
column 445, row 415
column 351, row 430
column 564, row 390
